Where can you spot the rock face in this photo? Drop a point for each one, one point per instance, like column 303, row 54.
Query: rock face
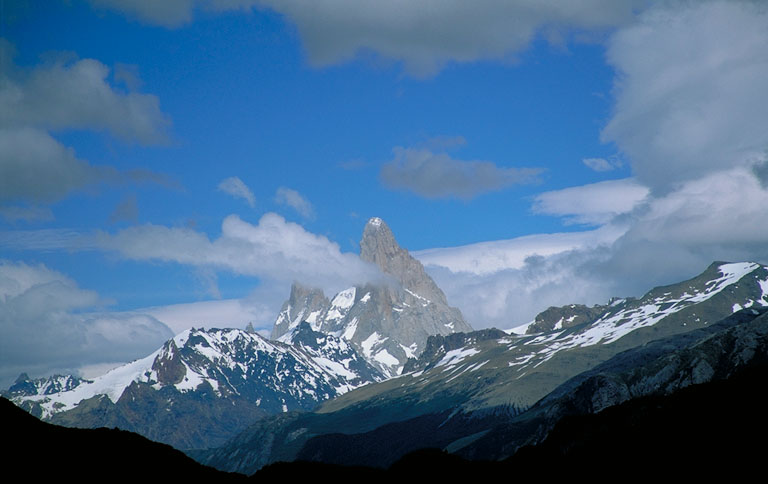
column 556, row 318
column 389, row 322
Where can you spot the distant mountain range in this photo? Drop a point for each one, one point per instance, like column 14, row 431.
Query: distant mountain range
column 381, row 370
column 204, row 386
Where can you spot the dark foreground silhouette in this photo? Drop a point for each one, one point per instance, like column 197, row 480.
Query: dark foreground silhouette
column 707, row 430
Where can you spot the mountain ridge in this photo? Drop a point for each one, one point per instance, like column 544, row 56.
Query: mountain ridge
column 466, row 378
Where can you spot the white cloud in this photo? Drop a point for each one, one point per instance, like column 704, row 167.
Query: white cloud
column 292, row 198
column 48, row 323
column 227, row 313
column 260, row 308
column 690, row 90
column 437, row 175
column 424, row 35
column 234, row 186
column 485, row 258
column 593, row 204
column 274, row 250
column 664, row 240
column 690, row 117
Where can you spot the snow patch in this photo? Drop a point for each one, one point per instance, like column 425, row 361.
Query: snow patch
column 521, row 330
column 371, row 341
column 454, row 357
column 410, row 351
column 349, row 331
column 384, row 357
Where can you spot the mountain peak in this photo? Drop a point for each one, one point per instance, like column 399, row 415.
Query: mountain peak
column 375, row 222
column 379, row 246
column 378, row 242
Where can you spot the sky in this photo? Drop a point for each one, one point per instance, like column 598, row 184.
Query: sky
column 173, row 164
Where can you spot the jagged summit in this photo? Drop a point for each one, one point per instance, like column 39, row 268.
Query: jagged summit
column 379, row 247
column 387, row 323
column 378, row 241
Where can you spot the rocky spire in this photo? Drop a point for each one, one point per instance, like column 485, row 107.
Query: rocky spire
column 304, row 304
column 387, row 323
column 379, row 246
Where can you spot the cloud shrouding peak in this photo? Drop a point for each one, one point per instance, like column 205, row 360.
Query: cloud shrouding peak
column 235, row 187
column 690, row 90
column 438, row 175
column 291, row 198
column 272, row 250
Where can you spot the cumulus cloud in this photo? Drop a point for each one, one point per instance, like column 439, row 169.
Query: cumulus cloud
column 292, row 198
column 689, row 116
column 424, row 35
column 234, row 186
column 273, row 250
column 428, row 34
column 65, row 94
column 47, row 324
column 438, row 175
column 665, row 239
column 75, row 94
column 36, row 167
column 690, row 94
column 593, row 204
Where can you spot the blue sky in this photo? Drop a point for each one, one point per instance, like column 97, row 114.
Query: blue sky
column 178, row 163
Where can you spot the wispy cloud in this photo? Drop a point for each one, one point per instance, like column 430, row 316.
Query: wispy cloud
column 594, row 204
column 291, row 198
column 26, row 213
column 601, row 164
column 235, row 187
